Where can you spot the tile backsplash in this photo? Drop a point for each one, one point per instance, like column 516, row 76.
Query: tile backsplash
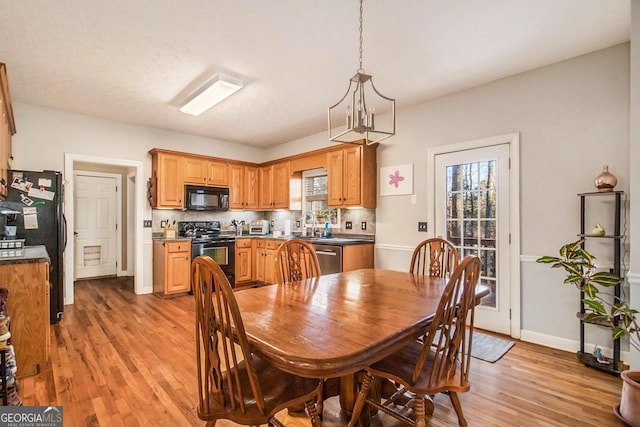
column 357, row 216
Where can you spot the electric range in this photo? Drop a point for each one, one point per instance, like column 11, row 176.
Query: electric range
column 207, row 239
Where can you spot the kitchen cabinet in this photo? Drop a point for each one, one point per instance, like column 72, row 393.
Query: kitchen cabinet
column 243, row 186
column 203, row 171
column 7, row 129
column 28, row 305
column 355, row 257
column 351, row 174
column 171, row 267
column 166, row 186
column 244, row 261
column 266, row 260
column 274, row 186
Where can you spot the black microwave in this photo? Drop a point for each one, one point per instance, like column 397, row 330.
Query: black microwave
column 199, row 198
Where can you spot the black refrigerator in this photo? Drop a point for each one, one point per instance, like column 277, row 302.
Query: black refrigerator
column 42, row 193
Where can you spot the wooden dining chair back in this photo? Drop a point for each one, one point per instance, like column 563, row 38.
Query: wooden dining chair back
column 438, row 363
column 296, row 260
column 434, row 257
column 233, row 383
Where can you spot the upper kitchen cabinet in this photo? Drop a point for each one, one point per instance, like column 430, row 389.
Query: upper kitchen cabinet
column 167, row 185
column 7, row 129
column 351, row 173
column 243, row 186
column 202, row 171
column 274, row 186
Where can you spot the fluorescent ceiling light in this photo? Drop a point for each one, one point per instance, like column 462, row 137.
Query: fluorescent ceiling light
column 220, row 87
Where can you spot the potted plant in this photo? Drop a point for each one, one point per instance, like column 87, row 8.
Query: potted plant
column 322, row 216
column 604, row 308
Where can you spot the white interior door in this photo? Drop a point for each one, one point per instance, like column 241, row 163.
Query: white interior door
column 95, row 226
column 472, row 211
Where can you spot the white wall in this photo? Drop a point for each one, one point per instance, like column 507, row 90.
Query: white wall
column 573, row 117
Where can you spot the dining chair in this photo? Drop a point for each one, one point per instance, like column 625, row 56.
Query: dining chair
column 233, row 383
column 434, row 257
column 438, row 364
column 296, row 260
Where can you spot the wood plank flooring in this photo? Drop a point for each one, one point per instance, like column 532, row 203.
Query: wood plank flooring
column 118, row 359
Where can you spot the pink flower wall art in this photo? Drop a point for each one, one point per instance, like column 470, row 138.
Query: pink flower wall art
column 396, row 180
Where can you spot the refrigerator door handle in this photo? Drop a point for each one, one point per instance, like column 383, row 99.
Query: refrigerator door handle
column 64, row 222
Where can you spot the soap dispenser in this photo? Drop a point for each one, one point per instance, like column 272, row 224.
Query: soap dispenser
column 326, row 229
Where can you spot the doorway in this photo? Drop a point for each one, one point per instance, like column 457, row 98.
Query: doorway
column 135, row 205
column 475, row 207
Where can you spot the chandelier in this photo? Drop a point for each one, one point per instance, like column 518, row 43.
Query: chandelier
column 358, row 107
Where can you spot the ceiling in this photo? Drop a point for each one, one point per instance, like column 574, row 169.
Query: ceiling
column 136, row 61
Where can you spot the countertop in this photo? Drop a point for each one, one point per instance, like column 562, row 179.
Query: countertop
column 32, row 254
column 342, row 240
column 161, row 237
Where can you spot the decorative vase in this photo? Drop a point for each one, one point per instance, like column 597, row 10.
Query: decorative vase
column 606, row 180
column 629, row 409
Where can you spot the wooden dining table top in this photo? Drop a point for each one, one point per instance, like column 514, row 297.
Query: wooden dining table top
column 340, row 323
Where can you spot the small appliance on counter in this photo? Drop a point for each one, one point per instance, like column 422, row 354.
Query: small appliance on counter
column 259, row 226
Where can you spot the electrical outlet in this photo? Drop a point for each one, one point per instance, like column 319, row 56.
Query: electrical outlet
column 273, row 223
column 348, row 225
column 297, row 224
column 146, row 223
column 422, row 226
column 163, row 223
column 363, row 225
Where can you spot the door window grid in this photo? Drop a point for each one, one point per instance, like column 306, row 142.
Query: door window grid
column 471, row 218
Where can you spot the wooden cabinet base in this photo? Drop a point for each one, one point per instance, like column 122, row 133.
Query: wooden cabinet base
column 28, row 305
column 171, row 267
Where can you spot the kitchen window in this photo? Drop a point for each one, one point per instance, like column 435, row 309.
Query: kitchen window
column 314, row 198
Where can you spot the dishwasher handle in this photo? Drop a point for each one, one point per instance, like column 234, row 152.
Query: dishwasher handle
column 330, row 253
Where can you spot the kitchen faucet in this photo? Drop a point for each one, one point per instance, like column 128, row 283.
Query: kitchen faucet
column 313, row 219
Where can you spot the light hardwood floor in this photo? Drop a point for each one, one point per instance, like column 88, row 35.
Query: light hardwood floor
column 118, row 359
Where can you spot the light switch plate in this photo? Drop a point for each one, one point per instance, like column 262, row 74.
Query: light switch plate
column 363, row 225
column 348, row 225
column 422, row 226
column 146, row 223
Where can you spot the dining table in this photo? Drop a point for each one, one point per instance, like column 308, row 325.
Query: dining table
column 335, row 325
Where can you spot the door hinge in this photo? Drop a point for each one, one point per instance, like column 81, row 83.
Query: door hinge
column 509, row 162
column 509, row 314
column 509, row 238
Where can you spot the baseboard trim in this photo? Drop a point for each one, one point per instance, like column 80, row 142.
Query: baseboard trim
column 566, row 344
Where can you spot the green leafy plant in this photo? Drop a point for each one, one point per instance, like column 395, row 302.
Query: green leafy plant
column 600, row 307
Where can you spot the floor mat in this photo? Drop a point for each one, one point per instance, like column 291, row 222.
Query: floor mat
column 489, row 348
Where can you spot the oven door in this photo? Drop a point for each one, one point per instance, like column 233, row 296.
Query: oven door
column 218, row 253
column 223, row 253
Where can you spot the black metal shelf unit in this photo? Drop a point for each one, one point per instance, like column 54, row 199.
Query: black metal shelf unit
column 615, row 366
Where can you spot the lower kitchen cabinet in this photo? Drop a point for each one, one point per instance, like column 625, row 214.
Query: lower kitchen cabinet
column 28, row 305
column 355, row 257
column 244, row 261
column 266, row 260
column 171, row 267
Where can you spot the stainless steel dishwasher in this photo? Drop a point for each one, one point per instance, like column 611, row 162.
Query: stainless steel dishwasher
column 329, row 258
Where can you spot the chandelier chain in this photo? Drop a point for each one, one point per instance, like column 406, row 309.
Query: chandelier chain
column 360, row 69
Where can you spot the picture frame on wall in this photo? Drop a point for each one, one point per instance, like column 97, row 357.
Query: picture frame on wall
column 396, row 180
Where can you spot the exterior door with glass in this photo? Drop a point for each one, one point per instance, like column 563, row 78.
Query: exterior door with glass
column 472, row 211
